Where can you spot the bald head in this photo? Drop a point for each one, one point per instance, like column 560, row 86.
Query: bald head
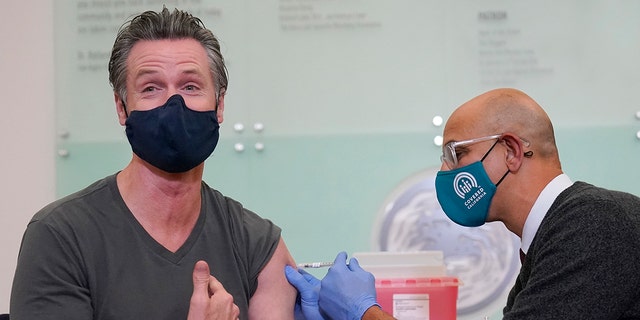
column 500, row 111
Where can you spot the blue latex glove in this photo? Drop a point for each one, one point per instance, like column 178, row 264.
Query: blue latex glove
column 346, row 292
column 308, row 286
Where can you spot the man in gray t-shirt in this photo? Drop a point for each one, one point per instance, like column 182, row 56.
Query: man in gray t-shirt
column 88, row 253
column 154, row 241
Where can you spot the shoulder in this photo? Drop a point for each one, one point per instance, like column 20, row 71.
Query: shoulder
column 585, row 202
column 219, row 203
column 81, row 204
column 588, row 193
column 231, row 211
column 584, row 213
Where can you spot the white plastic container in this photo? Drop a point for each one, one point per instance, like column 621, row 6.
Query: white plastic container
column 413, row 264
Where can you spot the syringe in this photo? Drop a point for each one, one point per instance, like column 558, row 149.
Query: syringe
column 315, row 264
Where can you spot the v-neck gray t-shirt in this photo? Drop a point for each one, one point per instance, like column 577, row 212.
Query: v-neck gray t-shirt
column 86, row 257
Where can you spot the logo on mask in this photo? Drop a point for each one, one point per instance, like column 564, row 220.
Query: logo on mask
column 468, row 203
column 466, row 187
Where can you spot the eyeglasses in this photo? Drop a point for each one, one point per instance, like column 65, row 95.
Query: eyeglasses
column 450, row 156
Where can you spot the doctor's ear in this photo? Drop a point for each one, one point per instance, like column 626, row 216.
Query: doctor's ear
column 515, row 150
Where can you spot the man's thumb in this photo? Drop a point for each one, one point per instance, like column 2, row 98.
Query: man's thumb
column 201, row 276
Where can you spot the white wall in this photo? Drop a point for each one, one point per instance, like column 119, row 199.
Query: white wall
column 27, row 159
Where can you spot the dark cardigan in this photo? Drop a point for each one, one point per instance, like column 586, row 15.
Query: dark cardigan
column 584, row 261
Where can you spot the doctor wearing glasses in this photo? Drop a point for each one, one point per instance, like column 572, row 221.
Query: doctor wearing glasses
column 580, row 244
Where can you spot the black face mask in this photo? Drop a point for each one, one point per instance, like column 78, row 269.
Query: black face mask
column 173, row 137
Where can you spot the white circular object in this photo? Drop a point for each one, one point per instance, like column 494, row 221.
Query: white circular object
column 63, row 153
column 258, row 127
column 437, row 121
column 437, row 140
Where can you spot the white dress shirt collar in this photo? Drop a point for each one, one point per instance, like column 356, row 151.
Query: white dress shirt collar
column 540, row 208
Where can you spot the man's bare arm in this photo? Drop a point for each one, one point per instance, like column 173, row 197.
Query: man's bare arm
column 274, row 298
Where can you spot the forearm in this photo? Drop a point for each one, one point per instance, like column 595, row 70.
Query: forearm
column 375, row 313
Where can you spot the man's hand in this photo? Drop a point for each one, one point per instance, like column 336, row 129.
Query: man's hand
column 308, row 286
column 210, row 301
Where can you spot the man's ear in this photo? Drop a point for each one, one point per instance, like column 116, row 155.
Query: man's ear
column 120, row 109
column 515, row 151
column 220, row 107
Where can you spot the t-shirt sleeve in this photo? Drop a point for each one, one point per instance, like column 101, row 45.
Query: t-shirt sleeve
column 256, row 240
column 48, row 283
column 262, row 237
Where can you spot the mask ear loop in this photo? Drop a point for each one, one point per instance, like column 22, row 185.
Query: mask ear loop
column 486, row 154
column 504, row 176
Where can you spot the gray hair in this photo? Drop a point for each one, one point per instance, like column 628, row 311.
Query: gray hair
column 152, row 25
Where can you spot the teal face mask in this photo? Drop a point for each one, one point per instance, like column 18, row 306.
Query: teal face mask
column 465, row 194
